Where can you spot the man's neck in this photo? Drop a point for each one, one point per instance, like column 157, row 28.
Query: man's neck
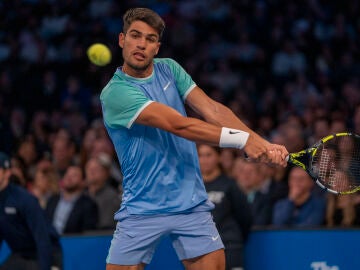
column 137, row 73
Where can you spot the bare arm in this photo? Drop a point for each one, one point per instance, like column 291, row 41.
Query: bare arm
column 216, row 116
column 161, row 116
column 220, row 115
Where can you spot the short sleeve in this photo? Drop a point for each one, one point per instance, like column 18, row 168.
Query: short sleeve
column 121, row 104
column 183, row 80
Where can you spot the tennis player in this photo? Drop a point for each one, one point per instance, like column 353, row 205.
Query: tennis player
column 163, row 192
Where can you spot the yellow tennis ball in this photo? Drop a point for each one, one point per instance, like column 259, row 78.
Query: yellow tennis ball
column 99, row 54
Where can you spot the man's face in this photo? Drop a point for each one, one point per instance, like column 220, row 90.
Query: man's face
column 73, row 179
column 95, row 172
column 140, row 44
column 208, row 158
column 300, row 180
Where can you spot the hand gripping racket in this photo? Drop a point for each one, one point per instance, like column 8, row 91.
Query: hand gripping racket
column 333, row 162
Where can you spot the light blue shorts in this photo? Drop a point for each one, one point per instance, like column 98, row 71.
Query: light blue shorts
column 137, row 236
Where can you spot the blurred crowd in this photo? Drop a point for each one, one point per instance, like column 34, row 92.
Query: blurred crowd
column 289, row 69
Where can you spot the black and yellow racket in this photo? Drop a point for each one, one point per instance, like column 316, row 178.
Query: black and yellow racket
column 333, row 162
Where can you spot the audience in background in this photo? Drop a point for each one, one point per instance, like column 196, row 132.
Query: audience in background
column 227, row 158
column 19, row 173
column 341, row 211
column 302, row 207
column 107, row 198
column 45, row 183
column 72, row 211
column 63, row 152
column 27, row 152
column 252, row 181
column 232, row 214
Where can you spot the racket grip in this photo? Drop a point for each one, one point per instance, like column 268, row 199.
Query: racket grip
column 287, row 158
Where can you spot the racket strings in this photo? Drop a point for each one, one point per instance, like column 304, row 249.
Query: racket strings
column 337, row 163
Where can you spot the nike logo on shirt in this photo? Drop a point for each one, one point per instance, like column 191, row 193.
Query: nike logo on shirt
column 166, row 86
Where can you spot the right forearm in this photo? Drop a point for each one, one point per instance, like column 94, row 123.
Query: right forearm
column 197, row 130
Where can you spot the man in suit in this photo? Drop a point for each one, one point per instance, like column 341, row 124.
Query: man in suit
column 33, row 241
column 72, row 211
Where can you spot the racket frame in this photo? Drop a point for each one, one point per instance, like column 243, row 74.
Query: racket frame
column 304, row 158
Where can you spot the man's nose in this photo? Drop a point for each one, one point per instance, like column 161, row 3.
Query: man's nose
column 141, row 43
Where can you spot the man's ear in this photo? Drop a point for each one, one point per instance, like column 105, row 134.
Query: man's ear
column 121, row 40
column 158, row 48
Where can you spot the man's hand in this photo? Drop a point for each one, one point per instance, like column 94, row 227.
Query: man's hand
column 259, row 149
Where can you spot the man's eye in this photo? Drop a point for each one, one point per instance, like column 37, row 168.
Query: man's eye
column 152, row 40
column 135, row 35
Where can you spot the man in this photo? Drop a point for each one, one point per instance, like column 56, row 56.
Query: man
column 302, row 207
column 33, row 242
column 248, row 176
column 163, row 193
column 97, row 171
column 72, row 211
column 63, row 151
column 232, row 213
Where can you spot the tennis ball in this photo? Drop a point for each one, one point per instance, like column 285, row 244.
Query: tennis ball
column 99, row 54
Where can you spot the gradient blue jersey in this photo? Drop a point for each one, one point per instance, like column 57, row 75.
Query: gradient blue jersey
column 161, row 170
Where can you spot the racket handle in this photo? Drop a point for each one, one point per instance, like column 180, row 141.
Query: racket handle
column 287, row 158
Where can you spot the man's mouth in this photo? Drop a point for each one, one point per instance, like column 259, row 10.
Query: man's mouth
column 139, row 56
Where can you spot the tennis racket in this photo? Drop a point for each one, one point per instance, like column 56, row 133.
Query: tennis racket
column 333, row 162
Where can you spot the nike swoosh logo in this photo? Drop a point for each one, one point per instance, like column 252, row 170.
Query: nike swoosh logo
column 166, row 86
column 214, row 238
column 233, row 132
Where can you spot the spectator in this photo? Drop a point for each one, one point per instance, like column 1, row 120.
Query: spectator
column 97, row 175
column 251, row 181
column 104, row 145
column 301, row 208
column 19, row 173
column 33, row 241
column 87, row 143
column 341, row 211
column 227, row 158
column 232, row 214
column 63, row 152
column 27, row 151
column 72, row 211
column 45, row 183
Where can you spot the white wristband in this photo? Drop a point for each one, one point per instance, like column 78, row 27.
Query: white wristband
column 233, row 138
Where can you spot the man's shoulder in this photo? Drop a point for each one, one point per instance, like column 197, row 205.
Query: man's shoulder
column 114, row 83
column 21, row 193
column 167, row 62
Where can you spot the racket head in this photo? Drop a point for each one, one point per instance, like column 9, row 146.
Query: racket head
column 333, row 162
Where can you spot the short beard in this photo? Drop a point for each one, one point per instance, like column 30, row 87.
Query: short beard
column 139, row 68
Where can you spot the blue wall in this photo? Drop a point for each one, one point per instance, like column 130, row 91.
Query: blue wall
column 266, row 250
column 301, row 250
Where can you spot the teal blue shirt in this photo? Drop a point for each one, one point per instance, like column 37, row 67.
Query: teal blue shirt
column 161, row 172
